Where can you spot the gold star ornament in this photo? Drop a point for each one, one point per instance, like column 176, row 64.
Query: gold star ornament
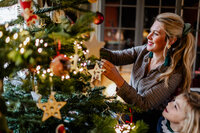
column 96, row 72
column 94, row 46
column 51, row 108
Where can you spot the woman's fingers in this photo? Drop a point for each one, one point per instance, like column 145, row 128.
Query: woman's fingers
column 107, row 65
column 112, row 73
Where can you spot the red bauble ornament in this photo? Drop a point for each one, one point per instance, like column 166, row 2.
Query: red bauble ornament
column 60, row 65
column 60, row 129
column 99, row 18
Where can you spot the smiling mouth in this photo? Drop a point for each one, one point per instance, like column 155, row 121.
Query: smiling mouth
column 166, row 110
column 150, row 43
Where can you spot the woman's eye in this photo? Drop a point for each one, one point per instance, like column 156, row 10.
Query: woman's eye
column 175, row 107
column 155, row 33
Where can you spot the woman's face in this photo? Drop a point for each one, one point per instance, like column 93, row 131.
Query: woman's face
column 175, row 111
column 156, row 38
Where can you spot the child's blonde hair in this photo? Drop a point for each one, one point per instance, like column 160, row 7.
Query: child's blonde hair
column 191, row 124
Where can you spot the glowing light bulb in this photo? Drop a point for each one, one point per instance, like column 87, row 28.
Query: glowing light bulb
column 40, row 50
column 75, row 72
column 48, row 70
column 28, row 39
column 20, row 45
column 67, row 76
column 81, row 69
column 37, row 40
column 46, row 44
column 15, row 36
column 7, row 39
column 44, row 71
column 41, row 41
column 22, row 50
column 36, row 44
column 1, row 34
column 38, row 67
column 25, row 43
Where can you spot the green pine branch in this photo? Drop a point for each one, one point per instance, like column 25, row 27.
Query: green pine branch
column 6, row 3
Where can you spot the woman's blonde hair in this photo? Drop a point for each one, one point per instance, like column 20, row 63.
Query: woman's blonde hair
column 182, row 52
column 191, row 124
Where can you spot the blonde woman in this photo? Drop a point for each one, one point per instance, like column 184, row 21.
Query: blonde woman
column 159, row 68
column 181, row 115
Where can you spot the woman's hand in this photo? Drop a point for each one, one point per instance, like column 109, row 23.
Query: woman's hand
column 112, row 73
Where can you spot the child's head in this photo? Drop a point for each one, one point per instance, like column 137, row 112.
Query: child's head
column 184, row 112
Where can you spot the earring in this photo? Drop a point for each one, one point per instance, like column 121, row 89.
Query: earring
column 167, row 59
column 168, row 46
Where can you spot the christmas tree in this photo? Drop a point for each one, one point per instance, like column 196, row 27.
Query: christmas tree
column 50, row 67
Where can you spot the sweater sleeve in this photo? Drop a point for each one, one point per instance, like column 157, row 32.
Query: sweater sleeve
column 152, row 97
column 122, row 57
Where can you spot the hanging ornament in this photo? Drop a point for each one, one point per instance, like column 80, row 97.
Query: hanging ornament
column 28, row 15
column 57, row 16
column 36, row 96
column 51, row 108
column 99, row 18
column 94, row 46
column 60, row 129
column 96, row 73
column 74, row 62
column 74, row 59
column 92, row 1
column 60, row 65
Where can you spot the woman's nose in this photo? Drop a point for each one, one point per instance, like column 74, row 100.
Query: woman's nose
column 170, row 103
column 149, row 35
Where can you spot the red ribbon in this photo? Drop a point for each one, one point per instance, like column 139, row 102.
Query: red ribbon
column 59, row 48
column 131, row 117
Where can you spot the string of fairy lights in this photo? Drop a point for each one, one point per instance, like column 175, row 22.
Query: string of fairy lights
column 39, row 43
column 124, row 128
